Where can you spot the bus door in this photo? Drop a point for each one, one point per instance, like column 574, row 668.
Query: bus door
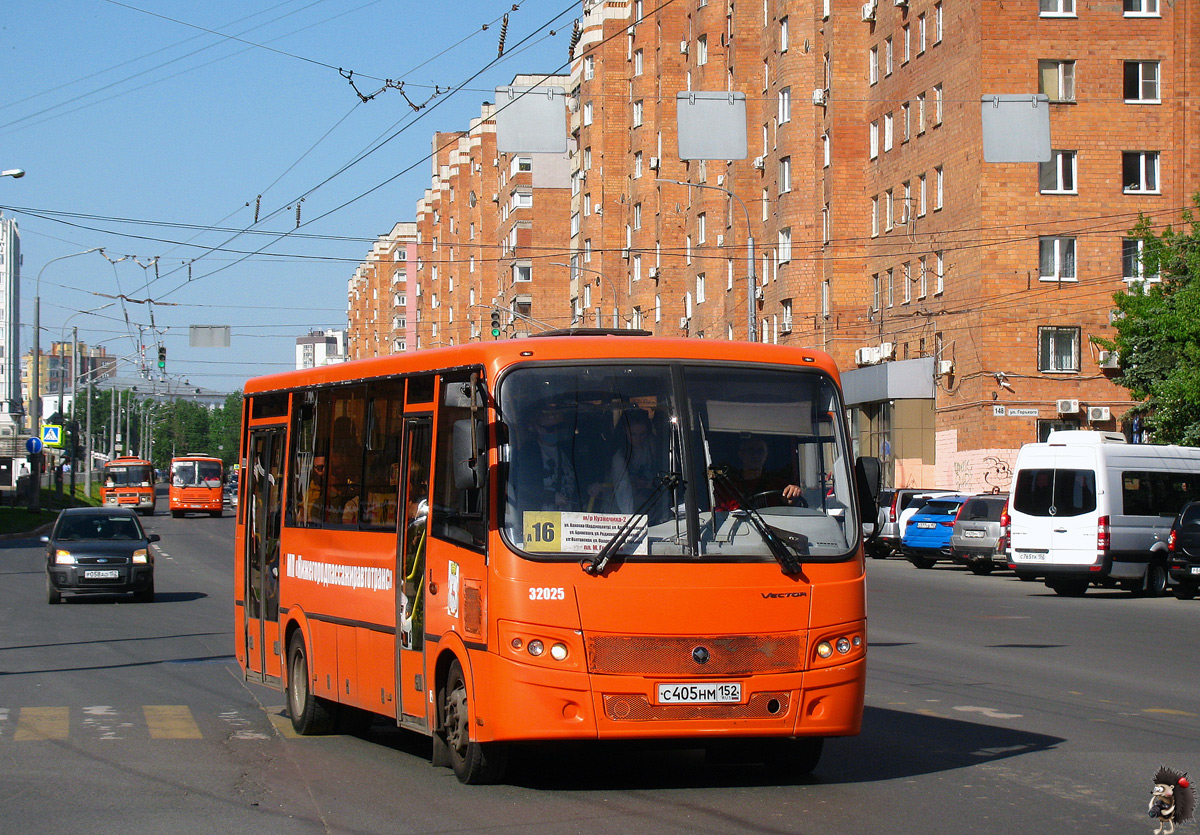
column 412, row 577
column 264, row 489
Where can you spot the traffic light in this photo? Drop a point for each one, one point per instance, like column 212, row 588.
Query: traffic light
column 495, row 324
column 162, row 356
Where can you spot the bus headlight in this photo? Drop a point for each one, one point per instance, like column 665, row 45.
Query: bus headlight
column 824, row 649
column 536, row 648
column 558, row 652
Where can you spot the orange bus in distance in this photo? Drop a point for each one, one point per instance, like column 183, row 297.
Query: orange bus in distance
column 196, row 485
column 129, row 482
column 568, row 537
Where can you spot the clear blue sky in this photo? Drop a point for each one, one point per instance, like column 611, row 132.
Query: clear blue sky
column 150, row 128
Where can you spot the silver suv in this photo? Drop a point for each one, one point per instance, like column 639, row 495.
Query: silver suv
column 977, row 540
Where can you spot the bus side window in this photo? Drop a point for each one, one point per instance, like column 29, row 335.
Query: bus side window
column 458, row 512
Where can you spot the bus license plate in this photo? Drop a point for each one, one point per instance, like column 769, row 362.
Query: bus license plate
column 713, row 692
column 102, row 574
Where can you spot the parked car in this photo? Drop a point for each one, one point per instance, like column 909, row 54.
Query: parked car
column 977, row 539
column 1183, row 551
column 876, row 547
column 902, row 499
column 927, row 532
column 99, row 550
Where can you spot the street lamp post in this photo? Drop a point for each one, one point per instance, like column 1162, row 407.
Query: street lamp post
column 36, row 380
column 611, row 288
column 751, row 279
column 15, row 173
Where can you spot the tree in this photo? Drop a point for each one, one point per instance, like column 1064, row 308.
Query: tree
column 1158, row 332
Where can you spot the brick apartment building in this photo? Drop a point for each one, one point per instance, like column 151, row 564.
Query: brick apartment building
column 960, row 295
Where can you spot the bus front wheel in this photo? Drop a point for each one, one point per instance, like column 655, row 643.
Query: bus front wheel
column 473, row 762
column 310, row 714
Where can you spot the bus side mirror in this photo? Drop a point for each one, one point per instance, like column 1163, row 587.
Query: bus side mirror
column 867, row 476
column 470, row 454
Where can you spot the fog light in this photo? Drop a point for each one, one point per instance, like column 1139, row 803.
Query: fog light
column 843, row 645
column 558, row 652
column 858, row 640
column 824, row 649
column 517, row 643
column 536, row 648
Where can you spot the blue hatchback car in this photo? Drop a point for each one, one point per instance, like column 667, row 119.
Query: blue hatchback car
column 926, row 538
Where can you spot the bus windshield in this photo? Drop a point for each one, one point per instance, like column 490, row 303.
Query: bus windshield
column 128, row 475
column 691, row 461
column 196, row 474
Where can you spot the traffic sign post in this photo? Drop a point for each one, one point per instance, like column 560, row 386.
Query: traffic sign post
column 52, row 435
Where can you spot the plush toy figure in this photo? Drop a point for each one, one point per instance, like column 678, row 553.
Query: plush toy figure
column 1172, row 801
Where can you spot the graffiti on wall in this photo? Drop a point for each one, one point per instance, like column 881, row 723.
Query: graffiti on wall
column 991, row 475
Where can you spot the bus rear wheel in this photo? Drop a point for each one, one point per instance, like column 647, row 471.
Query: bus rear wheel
column 474, row 763
column 311, row 715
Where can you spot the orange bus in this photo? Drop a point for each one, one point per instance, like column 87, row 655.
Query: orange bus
column 569, row 537
column 196, row 484
column 129, row 482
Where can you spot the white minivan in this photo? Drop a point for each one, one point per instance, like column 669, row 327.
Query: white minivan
column 1088, row 507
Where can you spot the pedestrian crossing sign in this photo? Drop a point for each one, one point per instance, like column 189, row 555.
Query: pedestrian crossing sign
column 52, row 435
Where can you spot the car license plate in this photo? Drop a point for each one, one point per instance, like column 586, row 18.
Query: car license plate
column 1196, row 569
column 973, row 534
column 926, row 524
column 1029, row 556
column 102, row 574
column 713, row 692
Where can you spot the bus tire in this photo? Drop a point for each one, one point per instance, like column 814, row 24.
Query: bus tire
column 177, row 514
column 311, row 715
column 474, row 763
column 796, row 757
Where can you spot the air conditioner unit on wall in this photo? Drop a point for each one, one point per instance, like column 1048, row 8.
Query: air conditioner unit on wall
column 683, row 322
column 860, row 356
column 819, row 96
column 868, row 12
column 654, row 163
column 945, row 367
column 1097, row 414
column 1109, row 359
column 901, row 3
column 683, row 47
column 759, row 163
column 1068, row 407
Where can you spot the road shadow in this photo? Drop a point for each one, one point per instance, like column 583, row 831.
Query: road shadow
column 893, row 745
column 159, row 597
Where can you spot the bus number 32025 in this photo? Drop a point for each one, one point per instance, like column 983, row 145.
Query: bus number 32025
column 547, row 594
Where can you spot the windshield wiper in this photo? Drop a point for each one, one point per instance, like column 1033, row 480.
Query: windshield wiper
column 596, row 564
column 785, row 546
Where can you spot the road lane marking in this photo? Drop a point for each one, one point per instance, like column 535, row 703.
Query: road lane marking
column 1169, row 712
column 989, row 712
column 171, row 722
column 283, row 726
column 43, row 723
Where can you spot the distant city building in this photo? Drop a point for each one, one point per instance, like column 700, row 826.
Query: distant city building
column 10, row 317
column 381, row 296
column 55, row 367
column 321, row 348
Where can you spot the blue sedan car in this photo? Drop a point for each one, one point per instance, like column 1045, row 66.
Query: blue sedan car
column 926, row 538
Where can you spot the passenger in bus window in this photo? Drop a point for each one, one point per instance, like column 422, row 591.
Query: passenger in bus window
column 310, row 511
column 755, row 480
column 345, row 467
column 635, row 465
column 547, row 471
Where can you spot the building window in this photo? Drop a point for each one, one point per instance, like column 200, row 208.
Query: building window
column 887, row 131
column 1058, row 175
column 784, row 249
column 589, row 67
column 783, row 34
column 701, row 227
column 937, row 105
column 587, row 113
column 887, row 209
column 699, row 288
column 906, row 54
column 891, row 288
column 826, row 149
column 906, row 283
column 637, row 113
column 1058, row 349
column 939, row 188
column 920, row 113
column 1056, row 79
column 637, row 62
column 1139, row 172
column 922, row 277
column 937, row 24
column 875, row 216
column 921, row 33
column 888, row 57
column 1056, row 259
column 1141, row 82
column 877, row 294
column 785, row 175
column 905, row 122
column 826, row 231
column 921, row 181
column 637, row 215
column 1141, row 8
column 702, row 50
column 939, row 273
column 1057, row 8
column 873, row 138
column 785, row 307
column 637, row 164
column 785, row 105
column 637, row 268
column 1132, row 268
column 873, row 65
column 826, row 309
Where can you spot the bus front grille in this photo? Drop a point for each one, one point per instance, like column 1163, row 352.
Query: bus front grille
column 635, row 707
column 656, row 655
